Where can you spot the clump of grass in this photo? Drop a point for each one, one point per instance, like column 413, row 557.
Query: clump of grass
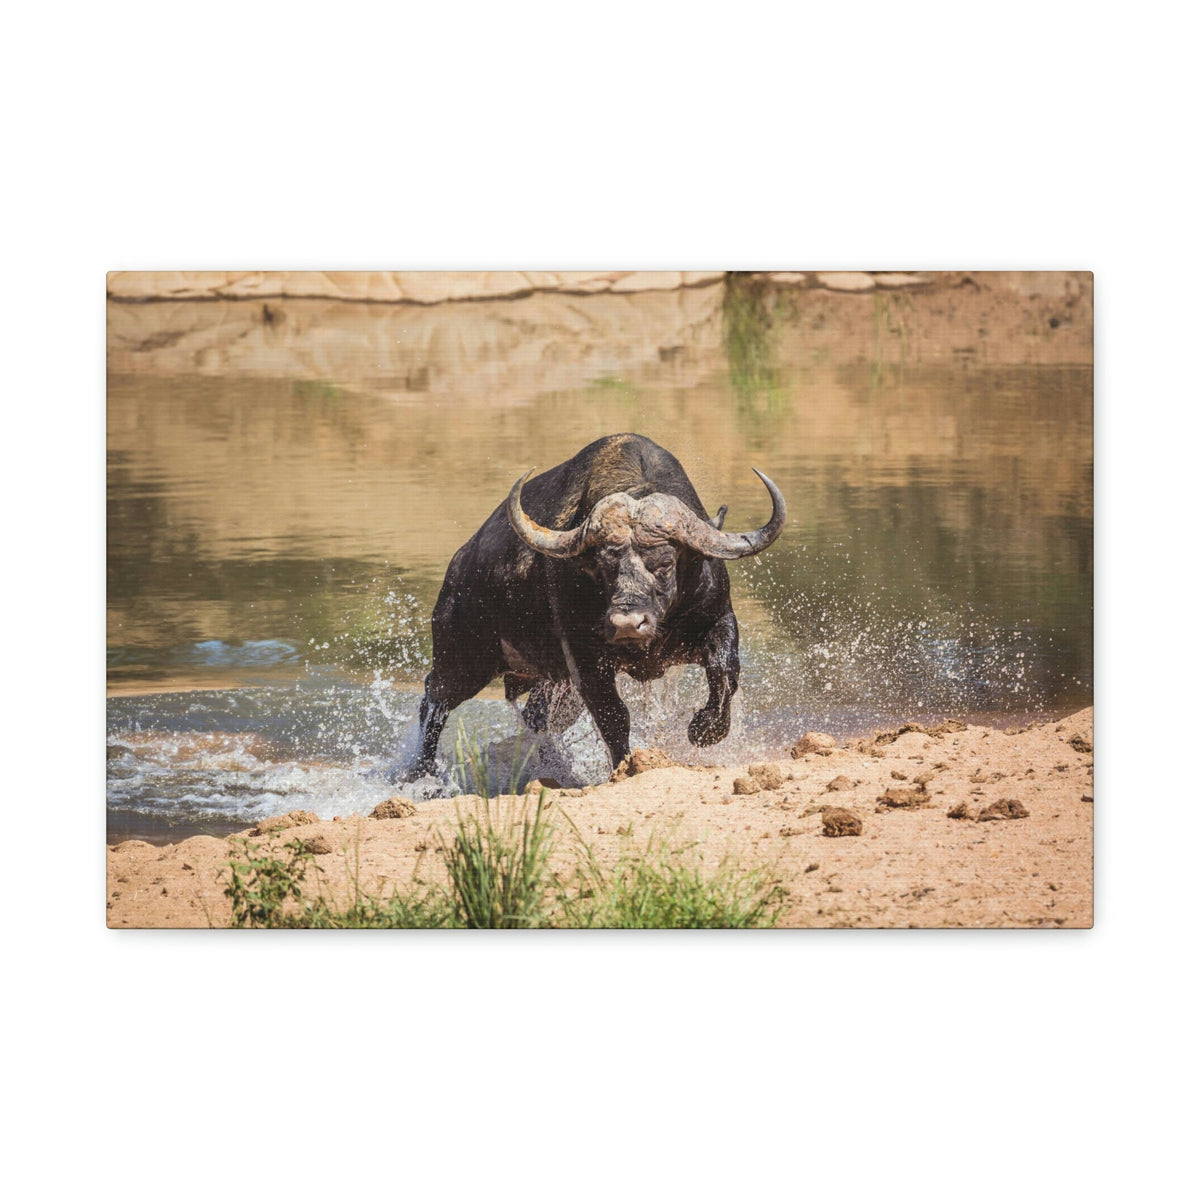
column 265, row 889
column 421, row 908
column 498, row 862
column 670, row 885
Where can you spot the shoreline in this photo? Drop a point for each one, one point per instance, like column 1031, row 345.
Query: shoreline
column 912, row 865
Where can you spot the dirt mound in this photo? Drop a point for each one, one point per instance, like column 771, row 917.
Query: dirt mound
column 396, row 807
column 840, row 783
column 648, row 759
column 1003, row 810
column 286, row 821
column 768, row 775
column 813, row 743
column 903, row 798
column 840, row 822
column 937, row 732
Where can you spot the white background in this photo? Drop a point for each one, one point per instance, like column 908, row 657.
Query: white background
column 355, row 136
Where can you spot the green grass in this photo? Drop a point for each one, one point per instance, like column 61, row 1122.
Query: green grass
column 265, row 892
column 498, row 860
column 264, row 889
column 669, row 885
column 498, row 876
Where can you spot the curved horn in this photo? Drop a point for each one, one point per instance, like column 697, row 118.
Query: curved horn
column 716, row 544
column 556, row 543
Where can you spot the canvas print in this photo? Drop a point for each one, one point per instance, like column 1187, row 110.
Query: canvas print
column 599, row 599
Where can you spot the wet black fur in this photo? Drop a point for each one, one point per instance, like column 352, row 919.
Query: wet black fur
column 497, row 590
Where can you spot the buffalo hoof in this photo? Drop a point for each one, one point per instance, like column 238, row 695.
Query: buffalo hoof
column 707, row 727
column 408, row 772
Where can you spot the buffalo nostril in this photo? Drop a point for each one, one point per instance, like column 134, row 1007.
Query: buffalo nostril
column 632, row 626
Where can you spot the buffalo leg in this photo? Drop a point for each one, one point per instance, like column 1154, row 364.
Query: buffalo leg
column 598, row 687
column 553, row 706
column 443, row 694
column 720, row 658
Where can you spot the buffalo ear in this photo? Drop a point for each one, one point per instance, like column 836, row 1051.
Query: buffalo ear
column 718, row 522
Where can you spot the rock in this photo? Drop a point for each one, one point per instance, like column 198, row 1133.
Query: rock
column 840, row 822
column 960, row 812
column 899, row 775
column 812, row 743
column 924, row 778
column 1003, row 810
column 391, row 809
column 317, row 845
column 846, row 281
column 745, row 786
column 285, row 821
column 769, row 776
column 1080, row 743
column 840, row 783
column 903, row 798
column 648, row 759
column 1088, row 799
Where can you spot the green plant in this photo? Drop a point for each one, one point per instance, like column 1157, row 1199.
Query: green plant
column 498, row 876
column 421, row 908
column 671, row 886
column 498, row 863
column 261, row 884
column 265, row 890
column 748, row 325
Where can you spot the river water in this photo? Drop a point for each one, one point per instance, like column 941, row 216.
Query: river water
column 287, row 482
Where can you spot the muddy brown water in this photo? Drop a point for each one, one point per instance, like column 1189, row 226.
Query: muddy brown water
column 287, row 482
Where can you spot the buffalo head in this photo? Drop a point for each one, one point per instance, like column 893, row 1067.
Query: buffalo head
column 633, row 548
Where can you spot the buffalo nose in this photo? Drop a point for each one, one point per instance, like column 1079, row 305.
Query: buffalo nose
column 633, row 625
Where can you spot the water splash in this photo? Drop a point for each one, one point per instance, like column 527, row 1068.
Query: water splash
column 830, row 657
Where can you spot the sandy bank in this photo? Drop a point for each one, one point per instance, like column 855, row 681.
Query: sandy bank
column 910, row 866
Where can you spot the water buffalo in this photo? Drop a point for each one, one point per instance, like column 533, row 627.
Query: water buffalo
column 606, row 563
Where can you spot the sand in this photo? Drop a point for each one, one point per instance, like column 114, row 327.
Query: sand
column 942, row 843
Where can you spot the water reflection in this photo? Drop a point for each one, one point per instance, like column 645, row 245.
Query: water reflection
column 300, row 482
